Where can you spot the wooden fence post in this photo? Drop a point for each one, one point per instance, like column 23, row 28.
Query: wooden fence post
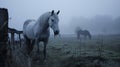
column 3, row 36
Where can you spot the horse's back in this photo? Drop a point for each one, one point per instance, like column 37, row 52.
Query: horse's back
column 28, row 28
column 27, row 22
column 86, row 31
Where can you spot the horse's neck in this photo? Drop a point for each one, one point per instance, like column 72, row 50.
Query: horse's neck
column 42, row 23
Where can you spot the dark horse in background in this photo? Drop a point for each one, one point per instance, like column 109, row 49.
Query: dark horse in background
column 84, row 33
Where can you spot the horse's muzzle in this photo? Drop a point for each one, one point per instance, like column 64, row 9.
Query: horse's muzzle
column 56, row 32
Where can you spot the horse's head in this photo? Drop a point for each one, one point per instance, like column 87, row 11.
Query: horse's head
column 53, row 22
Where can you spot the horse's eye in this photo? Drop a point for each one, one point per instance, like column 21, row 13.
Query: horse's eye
column 52, row 20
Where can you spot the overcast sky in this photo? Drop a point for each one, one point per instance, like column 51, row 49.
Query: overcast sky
column 21, row 10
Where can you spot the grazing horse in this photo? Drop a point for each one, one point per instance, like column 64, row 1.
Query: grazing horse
column 39, row 31
column 85, row 33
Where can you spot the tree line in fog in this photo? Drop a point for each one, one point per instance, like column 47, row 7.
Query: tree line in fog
column 97, row 25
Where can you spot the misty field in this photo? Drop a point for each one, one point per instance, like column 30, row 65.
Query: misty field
column 67, row 51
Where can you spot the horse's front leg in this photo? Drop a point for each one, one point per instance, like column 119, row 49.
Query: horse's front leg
column 44, row 50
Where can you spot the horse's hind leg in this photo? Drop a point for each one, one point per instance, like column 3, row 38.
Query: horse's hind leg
column 32, row 44
column 27, row 43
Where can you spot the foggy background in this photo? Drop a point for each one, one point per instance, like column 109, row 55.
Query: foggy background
column 97, row 16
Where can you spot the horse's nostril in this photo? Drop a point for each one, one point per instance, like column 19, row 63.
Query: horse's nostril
column 56, row 32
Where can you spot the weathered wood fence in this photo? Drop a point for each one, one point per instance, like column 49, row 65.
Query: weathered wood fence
column 3, row 36
column 10, row 57
column 12, row 31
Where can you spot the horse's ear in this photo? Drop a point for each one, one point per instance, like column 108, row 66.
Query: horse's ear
column 58, row 12
column 52, row 12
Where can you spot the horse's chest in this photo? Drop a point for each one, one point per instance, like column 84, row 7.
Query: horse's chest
column 43, row 37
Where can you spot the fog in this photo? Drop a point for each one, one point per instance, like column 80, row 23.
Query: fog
column 99, row 24
column 98, row 16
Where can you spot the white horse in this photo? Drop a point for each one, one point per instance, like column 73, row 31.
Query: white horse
column 37, row 31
